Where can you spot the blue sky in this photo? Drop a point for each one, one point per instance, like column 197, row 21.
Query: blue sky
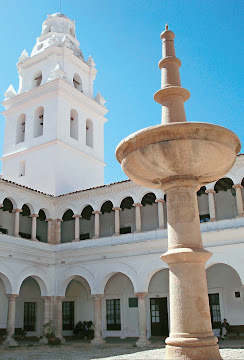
column 123, row 37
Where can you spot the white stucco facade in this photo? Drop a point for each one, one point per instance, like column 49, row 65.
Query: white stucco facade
column 77, row 241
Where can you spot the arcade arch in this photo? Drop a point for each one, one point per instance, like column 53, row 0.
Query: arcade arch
column 225, row 199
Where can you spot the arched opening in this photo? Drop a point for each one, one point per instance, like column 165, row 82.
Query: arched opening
column 107, row 226
column 78, row 307
column 39, row 121
column 87, row 223
column 225, row 296
column 202, row 199
column 4, row 307
column 120, row 307
column 89, row 133
column 149, row 212
column 77, row 82
column 25, row 222
column 41, row 226
column 7, row 218
column 68, row 227
column 20, row 129
column 37, row 79
column 29, row 308
column 74, row 124
column 158, row 298
column 127, row 216
column 225, row 199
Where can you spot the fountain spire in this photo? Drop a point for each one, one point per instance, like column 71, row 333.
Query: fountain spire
column 171, row 95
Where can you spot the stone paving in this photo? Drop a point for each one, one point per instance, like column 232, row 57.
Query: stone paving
column 84, row 351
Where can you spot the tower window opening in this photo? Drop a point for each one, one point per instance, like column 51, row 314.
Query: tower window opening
column 38, row 121
column 74, row 124
column 37, row 79
column 77, row 82
column 89, row 133
column 22, row 168
column 20, row 129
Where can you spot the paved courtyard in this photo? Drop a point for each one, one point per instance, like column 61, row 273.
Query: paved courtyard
column 230, row 350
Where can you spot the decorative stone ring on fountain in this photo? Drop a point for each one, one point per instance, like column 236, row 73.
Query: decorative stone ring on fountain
column 180, row 157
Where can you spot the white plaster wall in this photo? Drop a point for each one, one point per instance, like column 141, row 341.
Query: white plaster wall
column 67, row 231
column 3, row 306
column 225, row 203
column 203, row 204
column 107, row 226
column 149, row 217
column 25, row 224
column 87, row 226
column 7, row 221
column 127, row 218
column 120, row 287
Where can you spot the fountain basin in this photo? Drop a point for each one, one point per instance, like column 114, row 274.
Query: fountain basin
column 167, row 152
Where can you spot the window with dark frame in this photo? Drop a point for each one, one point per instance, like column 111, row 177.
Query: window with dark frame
column 113, row 314
column 29, row 316
column 215, row 310
column 68, row 315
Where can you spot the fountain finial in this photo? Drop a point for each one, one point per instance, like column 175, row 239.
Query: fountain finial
column 171, row 95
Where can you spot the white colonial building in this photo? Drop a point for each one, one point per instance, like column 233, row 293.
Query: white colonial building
column 73, row 249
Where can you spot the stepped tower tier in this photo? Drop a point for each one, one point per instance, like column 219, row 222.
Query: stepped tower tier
column 54, row 128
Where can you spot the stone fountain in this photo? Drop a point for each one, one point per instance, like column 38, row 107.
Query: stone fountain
column 179, row 158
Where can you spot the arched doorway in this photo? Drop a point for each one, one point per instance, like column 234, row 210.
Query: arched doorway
column 158, row 298
column 29, row 308
column 67, row 227
column 149, row 212
column 3, row 304
column 225, row 296
column 120, row 308
column 78, row 305
column 225, row 199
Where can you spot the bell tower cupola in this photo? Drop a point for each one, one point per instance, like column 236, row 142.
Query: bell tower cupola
column 54, row 122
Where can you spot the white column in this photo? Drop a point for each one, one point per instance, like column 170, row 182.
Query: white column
column 77, row 227
column 138, row 216
column 49, row 230
column 239, row 200
column 59, row 319
column 98, row 340
column 16, row 222
column 116, row 220
column 33, row 227
column 97, row 224
column 211, row 204
column 11, row 321
column 46, row 318
column 142, row 320
column 58, row 231
column 161, row 224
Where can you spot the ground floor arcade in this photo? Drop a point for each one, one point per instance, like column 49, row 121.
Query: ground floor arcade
column 118, row 311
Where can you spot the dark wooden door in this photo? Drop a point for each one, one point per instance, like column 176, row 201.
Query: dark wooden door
column 159, row 317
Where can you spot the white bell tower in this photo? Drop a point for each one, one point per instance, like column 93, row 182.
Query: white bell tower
column 54, row 132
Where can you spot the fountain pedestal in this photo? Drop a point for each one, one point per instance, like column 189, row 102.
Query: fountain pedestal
column 180, row 157
column 191, row 335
